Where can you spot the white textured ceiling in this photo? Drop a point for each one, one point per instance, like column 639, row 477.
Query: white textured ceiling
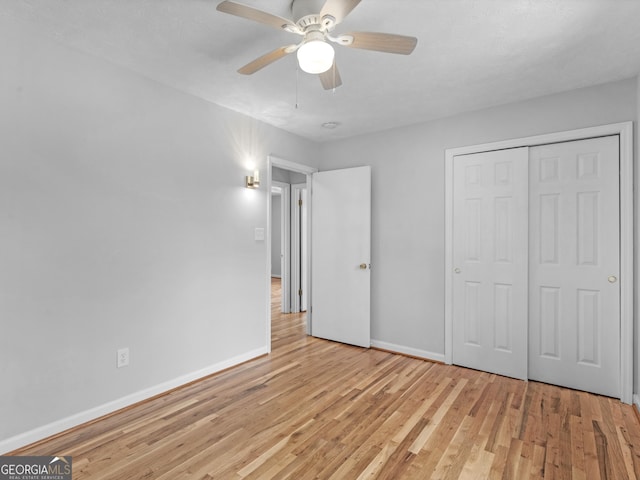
column 471, row 54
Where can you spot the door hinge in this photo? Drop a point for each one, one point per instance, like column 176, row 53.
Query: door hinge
column 300, row 292
column 300, row 202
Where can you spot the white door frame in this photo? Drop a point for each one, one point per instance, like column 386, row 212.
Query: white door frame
column 274, row 161
column 625, row 131
column 296, row 238
column 285, row 243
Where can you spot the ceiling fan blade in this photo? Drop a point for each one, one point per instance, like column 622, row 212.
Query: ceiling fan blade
column 267, row 59
column 256, row 15
column 338, row 9
column 331, row 78
column 380, row 42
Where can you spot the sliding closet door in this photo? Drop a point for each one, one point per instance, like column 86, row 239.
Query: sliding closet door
column 574, row 335
column 490, row 261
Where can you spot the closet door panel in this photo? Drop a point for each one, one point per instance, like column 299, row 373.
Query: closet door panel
column 490, row 258
column 574, row 265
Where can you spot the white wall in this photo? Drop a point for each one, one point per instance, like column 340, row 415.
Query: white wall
column 124, row 223
column 408, row 198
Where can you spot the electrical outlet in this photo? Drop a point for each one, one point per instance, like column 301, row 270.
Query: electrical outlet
column 123, row 357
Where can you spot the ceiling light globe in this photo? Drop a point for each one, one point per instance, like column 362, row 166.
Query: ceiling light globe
column 315, row 56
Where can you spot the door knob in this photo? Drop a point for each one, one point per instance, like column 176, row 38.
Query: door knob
column 363, row 266
column 612, row 279
column 457, row 270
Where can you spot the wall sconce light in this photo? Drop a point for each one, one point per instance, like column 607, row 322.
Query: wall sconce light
column 252, row 181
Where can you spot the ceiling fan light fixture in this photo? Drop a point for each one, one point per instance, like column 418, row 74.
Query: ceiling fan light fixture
column 315, row 21
column 315, row 56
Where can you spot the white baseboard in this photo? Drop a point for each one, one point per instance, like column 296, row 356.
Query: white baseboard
column 636, row 401
column 273, row 275
column 414, row 352
column 39, row 433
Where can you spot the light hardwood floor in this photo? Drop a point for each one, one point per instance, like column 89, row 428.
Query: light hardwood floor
column 317, row 409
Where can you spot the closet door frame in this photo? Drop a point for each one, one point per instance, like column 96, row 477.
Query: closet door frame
column 625, row 132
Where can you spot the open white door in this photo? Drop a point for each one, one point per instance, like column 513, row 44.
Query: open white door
column 341, row 255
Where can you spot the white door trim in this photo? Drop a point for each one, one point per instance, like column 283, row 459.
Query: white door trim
column 296, row 238
column 625, row 131
column 274, row 161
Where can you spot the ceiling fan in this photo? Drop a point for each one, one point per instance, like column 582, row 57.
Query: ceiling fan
column 315, row 22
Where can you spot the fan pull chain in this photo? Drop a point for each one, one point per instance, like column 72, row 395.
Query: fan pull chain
column 297, row 74
column 333, row 90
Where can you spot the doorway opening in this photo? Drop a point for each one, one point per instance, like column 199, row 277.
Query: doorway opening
column 281, row 241
column 289, row 286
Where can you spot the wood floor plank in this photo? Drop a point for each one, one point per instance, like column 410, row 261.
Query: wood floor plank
column 314, row 409
column 436, row 419
column 537, row 462
column 578, row 469
column 627, row 441
column 477, row 464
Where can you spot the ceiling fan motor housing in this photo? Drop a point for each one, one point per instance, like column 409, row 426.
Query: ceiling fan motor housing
column 307, row 13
